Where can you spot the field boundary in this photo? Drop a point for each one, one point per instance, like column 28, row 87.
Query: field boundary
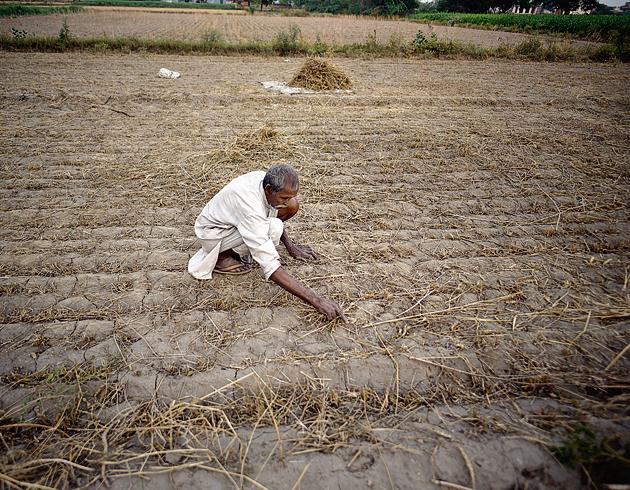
column 421, row 47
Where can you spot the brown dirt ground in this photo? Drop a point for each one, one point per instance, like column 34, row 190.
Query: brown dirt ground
column 196, row 25
column 473, row 222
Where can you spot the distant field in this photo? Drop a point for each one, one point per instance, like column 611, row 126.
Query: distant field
column 594, row 27
column 198, row 25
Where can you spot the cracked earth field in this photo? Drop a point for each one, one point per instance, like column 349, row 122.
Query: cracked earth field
column 472, row 219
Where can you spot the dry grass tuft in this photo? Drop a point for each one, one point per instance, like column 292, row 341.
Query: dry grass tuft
column 267, row 132
column 318, row 74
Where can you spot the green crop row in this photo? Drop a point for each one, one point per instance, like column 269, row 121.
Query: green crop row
column 18, row 10
column 593, row 27
column 153, row 3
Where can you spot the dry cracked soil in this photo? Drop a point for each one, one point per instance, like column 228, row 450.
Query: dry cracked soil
column 472, row 220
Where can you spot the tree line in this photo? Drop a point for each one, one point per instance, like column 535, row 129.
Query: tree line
column 481, row 6
column 359, row 7
column 403, row 7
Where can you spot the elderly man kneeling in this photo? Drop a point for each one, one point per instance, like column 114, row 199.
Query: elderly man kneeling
column 244, row 222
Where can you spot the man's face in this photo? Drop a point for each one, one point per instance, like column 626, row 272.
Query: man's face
column 280, row 199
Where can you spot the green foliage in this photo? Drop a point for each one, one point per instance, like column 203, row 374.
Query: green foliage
column 397, row 43
column 606, row 52
column 213, row 36
column 426, row 7
column 530, row 48
column 286, row 42
column 584, row 448
column 472, row 6
column 64, row 33
column 18, row 33
column 154, row 3
column 479, row 6
column 432, row 45
column 581, row 447
column 596, row 27
column 318, row 49
column 421, row 39
column 11, row 10
column 360, row 7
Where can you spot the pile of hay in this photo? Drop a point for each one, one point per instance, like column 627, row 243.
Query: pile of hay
column 318, row 74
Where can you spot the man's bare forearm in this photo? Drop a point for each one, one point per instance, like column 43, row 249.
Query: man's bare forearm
column 327, row 307
column 300, row 252
column 285, row 281
column 286, row 241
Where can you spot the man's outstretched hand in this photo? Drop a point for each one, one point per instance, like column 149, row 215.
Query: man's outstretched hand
column 302, row 252
column 329, row 309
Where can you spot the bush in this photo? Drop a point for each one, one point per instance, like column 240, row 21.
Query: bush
column 213, row 36
column 432, row 45
column 285, row 43
column 606, row 52
column 531, row 48
column 18, row 33
column 64, row 33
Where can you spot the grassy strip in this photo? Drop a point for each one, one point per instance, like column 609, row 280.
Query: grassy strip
column 533, row 50
column 153, row 3
column 19, row 10
column 592, row 27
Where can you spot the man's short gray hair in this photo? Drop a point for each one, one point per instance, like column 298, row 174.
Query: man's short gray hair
column 281, row 177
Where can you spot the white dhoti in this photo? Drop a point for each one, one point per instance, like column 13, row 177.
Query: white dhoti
column 201, row 265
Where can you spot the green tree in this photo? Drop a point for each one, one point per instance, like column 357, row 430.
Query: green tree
column 469, row 6
column 478, row 6
column 356, row 7
column 398, row 7
column 567, row 6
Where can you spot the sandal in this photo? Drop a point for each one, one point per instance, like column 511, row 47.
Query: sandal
column 234, row 269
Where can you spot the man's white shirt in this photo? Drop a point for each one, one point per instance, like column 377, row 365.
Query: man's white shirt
column 241, row 205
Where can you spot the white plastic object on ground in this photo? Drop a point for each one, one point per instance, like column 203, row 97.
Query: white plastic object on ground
column 284, row 88
column 166, row 73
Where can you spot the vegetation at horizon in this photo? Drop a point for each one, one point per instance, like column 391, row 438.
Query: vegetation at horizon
column 154, row 3
column 594, row 27
column 17, row 10
column 484, row 6
column 360, row 7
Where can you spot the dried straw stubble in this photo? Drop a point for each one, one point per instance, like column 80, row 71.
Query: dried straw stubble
column 318, row 74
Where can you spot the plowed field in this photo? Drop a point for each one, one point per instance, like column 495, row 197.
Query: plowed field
column 151, row 24
column 473, row 222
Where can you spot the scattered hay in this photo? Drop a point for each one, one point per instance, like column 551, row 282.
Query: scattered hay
column 318, row 74
column 196, row 176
